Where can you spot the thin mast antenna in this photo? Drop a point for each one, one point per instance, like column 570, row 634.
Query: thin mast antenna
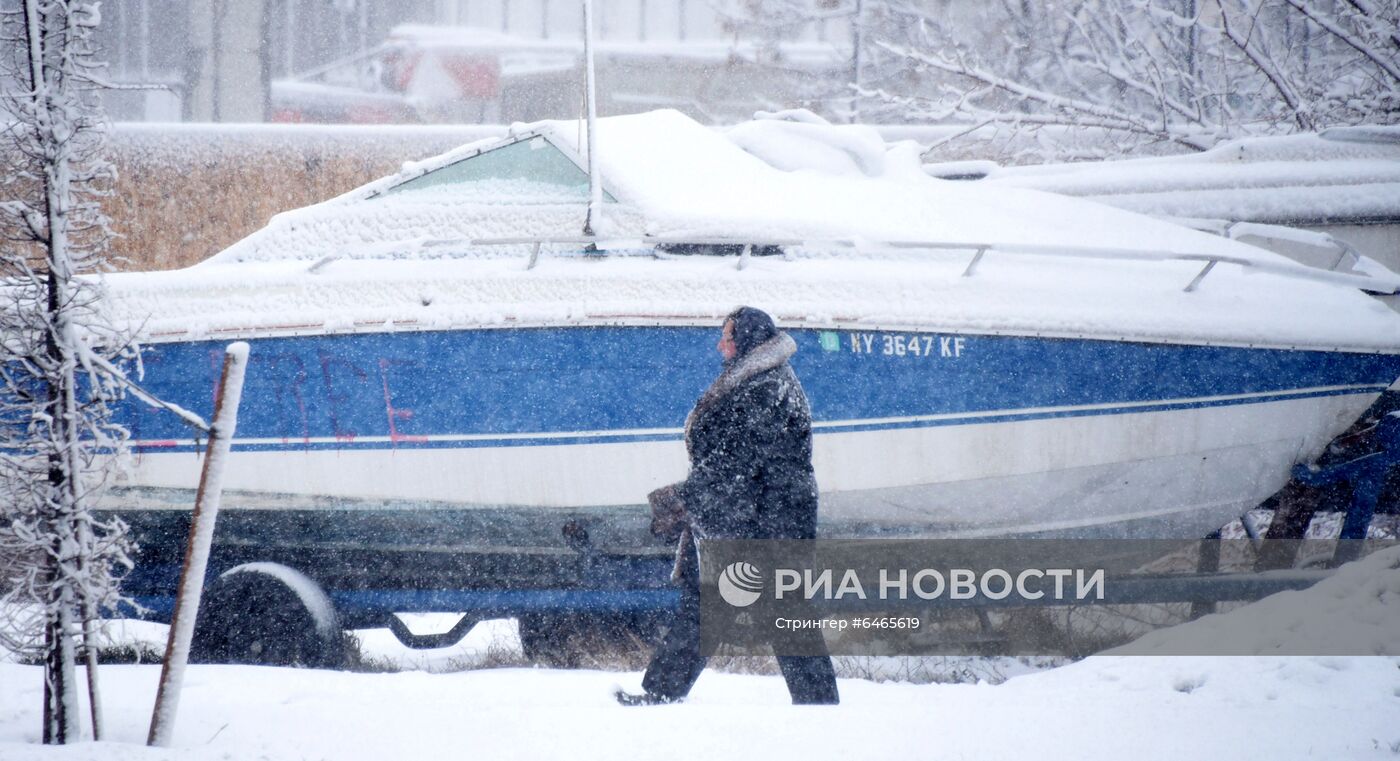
column 595, row 190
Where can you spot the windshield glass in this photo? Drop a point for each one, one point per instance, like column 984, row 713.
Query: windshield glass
column 526, row 171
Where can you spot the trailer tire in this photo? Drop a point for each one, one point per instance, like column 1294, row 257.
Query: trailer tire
column 268, row 614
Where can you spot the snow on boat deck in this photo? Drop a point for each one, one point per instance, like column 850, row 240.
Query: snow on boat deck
column 1347, row 174
column 673, row 178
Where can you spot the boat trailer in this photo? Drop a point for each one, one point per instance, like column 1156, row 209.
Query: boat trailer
column 274, row 613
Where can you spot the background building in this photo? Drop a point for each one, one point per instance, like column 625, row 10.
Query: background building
column 466, row 61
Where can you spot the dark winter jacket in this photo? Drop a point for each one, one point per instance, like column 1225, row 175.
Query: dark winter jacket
column 750, row 444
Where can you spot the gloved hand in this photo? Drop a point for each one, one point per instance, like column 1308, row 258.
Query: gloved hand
column 668, row 516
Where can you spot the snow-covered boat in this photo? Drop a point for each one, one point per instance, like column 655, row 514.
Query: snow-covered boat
column 440, row 363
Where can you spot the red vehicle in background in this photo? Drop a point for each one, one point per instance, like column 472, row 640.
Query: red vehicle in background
column 425, row 74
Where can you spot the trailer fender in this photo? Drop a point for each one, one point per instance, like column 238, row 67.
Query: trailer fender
column 268, row 614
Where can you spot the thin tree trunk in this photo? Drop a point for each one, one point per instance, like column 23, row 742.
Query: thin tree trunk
column 60, row 675
column 60, row 699
column 90, row 666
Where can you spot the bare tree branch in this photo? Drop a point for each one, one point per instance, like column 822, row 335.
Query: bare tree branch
column 1149, row 71
column 1337, row 31
column 1267, row 68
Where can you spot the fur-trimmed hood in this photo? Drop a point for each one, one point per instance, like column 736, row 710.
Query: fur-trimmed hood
column 766, row 356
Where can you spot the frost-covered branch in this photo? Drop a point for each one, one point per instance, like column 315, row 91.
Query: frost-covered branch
column 1267, row 68
column 1332, row 26
column 1370, row 18
column 1189, row 72
column 60, row 363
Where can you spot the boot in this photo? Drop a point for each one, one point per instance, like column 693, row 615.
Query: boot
column 643, row 699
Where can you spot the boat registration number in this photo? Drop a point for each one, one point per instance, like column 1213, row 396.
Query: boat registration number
column 905, row 345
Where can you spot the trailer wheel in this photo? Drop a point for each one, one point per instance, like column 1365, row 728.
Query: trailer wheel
column 268, row 614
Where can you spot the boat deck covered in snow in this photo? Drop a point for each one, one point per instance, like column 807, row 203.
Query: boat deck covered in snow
column 1343, row 182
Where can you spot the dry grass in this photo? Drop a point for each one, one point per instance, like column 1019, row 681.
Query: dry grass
column 173, row 216
column 183, row 194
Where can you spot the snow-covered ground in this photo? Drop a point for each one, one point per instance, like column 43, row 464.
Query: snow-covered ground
column 1106, row 707
column 1109, row 708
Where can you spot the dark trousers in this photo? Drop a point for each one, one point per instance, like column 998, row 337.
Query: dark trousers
column 677, row 663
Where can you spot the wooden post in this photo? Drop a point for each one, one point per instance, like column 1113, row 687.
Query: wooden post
column 206, row 510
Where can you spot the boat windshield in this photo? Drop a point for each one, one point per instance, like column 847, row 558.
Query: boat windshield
column 527, row 171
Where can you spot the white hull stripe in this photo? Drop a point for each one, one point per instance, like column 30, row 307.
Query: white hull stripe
column 829, row 426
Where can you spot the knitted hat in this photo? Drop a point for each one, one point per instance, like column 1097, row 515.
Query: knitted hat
column 751, row 328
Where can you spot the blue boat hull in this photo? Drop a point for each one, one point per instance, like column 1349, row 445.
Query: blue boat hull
column 454, row 460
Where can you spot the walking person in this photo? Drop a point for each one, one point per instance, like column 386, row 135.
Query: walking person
column 749, row 438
